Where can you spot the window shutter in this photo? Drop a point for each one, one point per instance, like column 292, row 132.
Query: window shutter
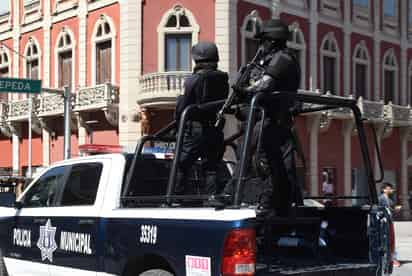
column 104, row 62
column 4, row 73
column 107, row 61
column 360, row 80
column 65, row 69
column 35, row 69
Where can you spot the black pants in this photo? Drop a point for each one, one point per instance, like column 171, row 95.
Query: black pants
column 201, row 140
column 278, row 149
column 273, row 161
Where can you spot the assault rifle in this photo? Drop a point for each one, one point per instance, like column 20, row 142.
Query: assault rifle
column 243, row 74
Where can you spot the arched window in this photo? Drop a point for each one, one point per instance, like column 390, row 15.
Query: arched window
column 297, row 43
column 4, row 69
column 249, row 28
column 390, row 83
column 32, row 61
column 103, row 62
column 330, row 64
column 177, row 32
column 32, row 54
column 64, row 54
column 361, row 71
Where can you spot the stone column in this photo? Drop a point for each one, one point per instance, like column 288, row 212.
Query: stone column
column 82, row 134
column 313, row 42
column 403, row 99
column 226, row 41
column 82, row 42
column 404, row 193
column 347, row 49
column 16, row 72
column 312, row 126
column 130, row 70
column 46, row 146
column 380, row 133
column 276, row 8
column 347, row 129
column 16, row 154
column 226, row 35
column 46, row 75
column 377, row 52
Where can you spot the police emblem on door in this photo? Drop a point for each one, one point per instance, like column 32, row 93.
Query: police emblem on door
column 47, row 242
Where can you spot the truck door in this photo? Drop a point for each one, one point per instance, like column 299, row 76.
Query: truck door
column 77, row 220
column 33, row 236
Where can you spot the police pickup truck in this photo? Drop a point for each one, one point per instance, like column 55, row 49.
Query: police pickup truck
column 117, row 214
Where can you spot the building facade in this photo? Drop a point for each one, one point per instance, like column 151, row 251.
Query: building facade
column 125, row 62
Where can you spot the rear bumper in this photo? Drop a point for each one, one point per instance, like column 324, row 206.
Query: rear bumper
column 319, row 270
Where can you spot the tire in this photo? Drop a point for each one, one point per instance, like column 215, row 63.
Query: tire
column 3, row 270
column 154, row 272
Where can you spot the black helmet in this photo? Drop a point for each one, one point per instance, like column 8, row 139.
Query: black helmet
column 274, row 29
column 205, row 52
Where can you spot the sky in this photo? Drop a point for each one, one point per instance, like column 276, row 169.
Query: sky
column 4, row 6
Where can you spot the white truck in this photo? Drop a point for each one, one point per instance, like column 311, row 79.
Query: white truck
column 116, row 214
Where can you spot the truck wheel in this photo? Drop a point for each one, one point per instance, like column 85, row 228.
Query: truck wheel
column 154, row 272
column 3, row 270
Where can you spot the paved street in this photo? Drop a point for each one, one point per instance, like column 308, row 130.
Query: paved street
column 404, row 248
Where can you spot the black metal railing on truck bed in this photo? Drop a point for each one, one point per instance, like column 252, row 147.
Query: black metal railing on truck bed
column 170, row 133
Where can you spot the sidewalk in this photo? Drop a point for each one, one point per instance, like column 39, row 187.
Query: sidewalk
column 403, row 234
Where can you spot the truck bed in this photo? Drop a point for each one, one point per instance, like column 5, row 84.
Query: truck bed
column 341, row 269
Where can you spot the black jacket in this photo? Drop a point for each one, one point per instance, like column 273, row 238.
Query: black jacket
column 205, row 85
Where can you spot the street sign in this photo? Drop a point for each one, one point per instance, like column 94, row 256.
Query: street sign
column 11, row 85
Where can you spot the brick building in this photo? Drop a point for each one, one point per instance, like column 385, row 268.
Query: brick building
column 122, row 58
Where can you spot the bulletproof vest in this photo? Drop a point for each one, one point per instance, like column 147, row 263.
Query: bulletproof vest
column 207, row 86
column 211, row 86
column 282, row 66
column 284, row 69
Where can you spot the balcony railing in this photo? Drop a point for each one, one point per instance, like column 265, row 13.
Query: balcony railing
column 371, row 110
column 97, row 97
column 398, row 115
column 19, row 109
column 3, row 111
column 4, row 128
column 161, row 87
column 51, row 105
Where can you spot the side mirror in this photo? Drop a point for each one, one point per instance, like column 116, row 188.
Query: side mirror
column 7, row 199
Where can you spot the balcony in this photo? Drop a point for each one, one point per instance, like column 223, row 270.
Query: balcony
column 50, row 105
column 104, row 97
column 398, row 115
column 19, row 109
column 161, row 88
column 371, row 110
column 99, row 97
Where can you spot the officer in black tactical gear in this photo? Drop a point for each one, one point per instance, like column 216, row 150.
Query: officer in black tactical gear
column 201, row 137
column 277, row 70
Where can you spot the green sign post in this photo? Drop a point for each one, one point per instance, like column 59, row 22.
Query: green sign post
column 10, row 85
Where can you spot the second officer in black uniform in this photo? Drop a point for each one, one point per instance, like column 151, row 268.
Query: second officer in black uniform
column 201, row 138
column 277, row 70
